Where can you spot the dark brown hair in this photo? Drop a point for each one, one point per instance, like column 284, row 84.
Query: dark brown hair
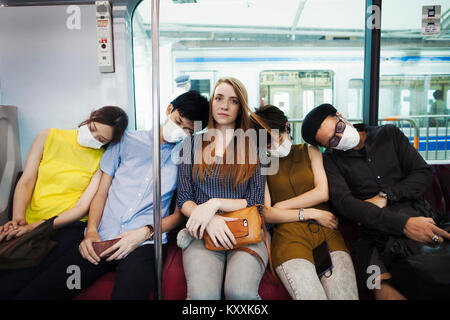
column 273, row 118
column 111, row 116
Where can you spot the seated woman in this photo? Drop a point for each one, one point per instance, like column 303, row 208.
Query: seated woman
column 214, row 182
column 60, row 178
column 295, row 200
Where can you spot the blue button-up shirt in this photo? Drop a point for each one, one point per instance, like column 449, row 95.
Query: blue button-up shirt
column 129, row 205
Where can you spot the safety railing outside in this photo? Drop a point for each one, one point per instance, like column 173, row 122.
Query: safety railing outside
column 434, row 136
column 429, row 134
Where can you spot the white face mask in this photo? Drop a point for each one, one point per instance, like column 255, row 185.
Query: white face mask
column 283, row 150
column 173, row 133
column 350, row 139
column 86, row 139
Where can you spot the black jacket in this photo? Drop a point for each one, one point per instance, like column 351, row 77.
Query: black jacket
column 387, row 163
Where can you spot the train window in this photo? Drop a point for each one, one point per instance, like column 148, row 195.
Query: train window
column 307, row 45
column 281, row 100
column 386, row 101
column 201, row 85
column 355, row 99
column 413, row 95
column 415, row 76
column 296, row 92
column 142, row 63
column 448, row 99
column 405, row 98
column 328, row 96
column 308, row 101
column 201, row 81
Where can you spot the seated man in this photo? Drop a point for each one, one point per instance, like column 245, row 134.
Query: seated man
column 123, row 208
column 376, row 179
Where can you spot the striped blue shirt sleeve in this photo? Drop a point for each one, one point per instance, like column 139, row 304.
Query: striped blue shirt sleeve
column 255, row 190
column 111, row 159
column 185, row 191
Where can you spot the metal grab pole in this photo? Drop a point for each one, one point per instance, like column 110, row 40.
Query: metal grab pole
column 156, row 147
column 372, row 39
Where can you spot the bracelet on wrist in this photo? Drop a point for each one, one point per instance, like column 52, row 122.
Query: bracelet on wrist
column 301, row 215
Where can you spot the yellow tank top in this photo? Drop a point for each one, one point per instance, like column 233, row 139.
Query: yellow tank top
column 64, row 173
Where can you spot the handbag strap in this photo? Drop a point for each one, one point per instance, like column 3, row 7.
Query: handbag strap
column 274, row 278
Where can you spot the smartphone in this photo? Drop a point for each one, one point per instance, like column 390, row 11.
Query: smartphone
column 322, row 259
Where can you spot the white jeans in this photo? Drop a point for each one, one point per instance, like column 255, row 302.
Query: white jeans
column 301, row 281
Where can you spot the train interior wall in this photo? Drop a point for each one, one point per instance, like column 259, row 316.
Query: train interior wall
column 50, row 71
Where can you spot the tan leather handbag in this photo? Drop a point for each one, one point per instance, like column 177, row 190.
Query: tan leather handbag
column 246, row 230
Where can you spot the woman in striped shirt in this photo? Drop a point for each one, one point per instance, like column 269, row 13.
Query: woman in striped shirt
column 225, row 176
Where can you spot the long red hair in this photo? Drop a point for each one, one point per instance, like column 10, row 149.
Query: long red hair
column 237, row 171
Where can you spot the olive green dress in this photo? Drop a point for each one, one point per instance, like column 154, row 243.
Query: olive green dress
column 298, row 239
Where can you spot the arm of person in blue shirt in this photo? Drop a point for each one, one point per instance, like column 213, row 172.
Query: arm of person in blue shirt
column 109, row 163
column 95, row 214
column 130, row 240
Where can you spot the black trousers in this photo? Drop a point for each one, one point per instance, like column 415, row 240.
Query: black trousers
column 11, row 282
column 135, row 276
column 367, row 241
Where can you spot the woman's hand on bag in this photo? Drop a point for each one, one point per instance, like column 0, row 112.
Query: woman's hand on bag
column 19, row 231
column 87, row 250
column 129, row 240
column 219, row 232
column 13, row 225
column 6, row 233
column 324, row 218
column 200, row 217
